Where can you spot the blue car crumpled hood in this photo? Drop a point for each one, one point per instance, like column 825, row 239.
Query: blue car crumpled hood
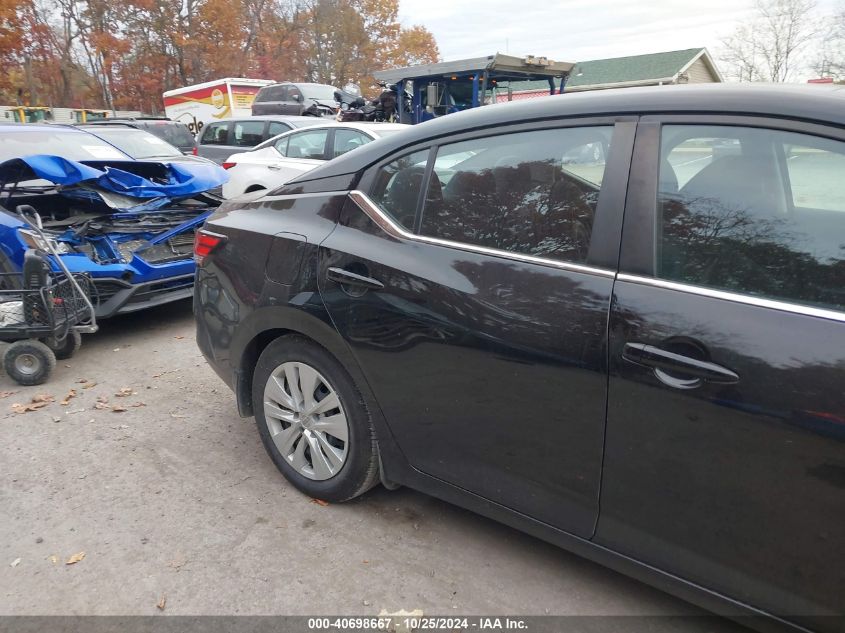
column 135, row 179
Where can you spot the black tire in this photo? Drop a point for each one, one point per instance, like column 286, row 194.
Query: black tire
column 29, row 362
column 68, row 347
column 360, row 471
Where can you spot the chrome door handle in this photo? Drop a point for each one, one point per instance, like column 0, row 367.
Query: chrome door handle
column 348, row 278
column 274, row 167
column 663, row 361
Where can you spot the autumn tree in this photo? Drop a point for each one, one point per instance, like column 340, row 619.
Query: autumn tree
column 769, row 46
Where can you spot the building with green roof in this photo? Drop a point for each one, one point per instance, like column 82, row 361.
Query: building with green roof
column 692, row 65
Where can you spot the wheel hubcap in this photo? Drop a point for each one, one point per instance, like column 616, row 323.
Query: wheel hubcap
column 306, row 420
column 27, row 364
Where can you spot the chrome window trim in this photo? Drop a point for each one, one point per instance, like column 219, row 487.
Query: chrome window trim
column 389, row 226
column 735, row 297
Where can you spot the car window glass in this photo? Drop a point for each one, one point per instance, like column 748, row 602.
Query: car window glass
column 282, row 146
column 347, row 140
column 215, row 134
column 763, row 215
column 271, row 93
column 397, row 187
column 247, row 133
column 530, row 192
column 275, row 128
column 309, row 144
column 293, row 93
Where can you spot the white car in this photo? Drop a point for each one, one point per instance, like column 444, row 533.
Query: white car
column 281, row 158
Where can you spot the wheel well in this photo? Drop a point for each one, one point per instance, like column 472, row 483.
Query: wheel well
column 252, row 188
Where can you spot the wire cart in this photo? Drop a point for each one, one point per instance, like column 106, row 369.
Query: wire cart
column 43, row 314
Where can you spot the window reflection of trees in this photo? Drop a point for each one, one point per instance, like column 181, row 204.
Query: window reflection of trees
column 713, row 242
column 534, row 208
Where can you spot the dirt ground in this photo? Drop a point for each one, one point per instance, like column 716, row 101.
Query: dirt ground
column 175, row 498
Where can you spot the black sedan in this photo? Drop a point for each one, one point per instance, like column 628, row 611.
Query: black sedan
column 613, row 320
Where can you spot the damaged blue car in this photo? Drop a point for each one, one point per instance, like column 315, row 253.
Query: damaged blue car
column 129, row 224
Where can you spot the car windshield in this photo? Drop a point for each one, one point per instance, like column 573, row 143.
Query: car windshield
column 319, row 92
column 70, row 144
column 174, row 133
column 137, row 143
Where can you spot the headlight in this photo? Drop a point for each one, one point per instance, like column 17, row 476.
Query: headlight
column 34, row 240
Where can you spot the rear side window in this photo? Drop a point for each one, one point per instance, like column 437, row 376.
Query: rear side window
column 176, row 134
column 347, row 140
column 755, row 211
column 247, row 133
column 397, row 187
column 275, row 128
column 310, row 144
column 215, row 134
column 271, row 93
column 533, row 193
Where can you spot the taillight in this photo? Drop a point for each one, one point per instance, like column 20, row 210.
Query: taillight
column 204, row 243
column 194, row 151
column 228, row 165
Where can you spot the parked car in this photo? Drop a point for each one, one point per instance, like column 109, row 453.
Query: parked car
column 128, row 224
column 297, row 99
column 636, row 356
column 220, row 139
column 140, row 144
column 279, row 159
column 175, row 133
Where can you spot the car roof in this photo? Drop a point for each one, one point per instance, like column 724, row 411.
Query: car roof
column 352, row 125
column 43, row 127
column 292, row 118
column 815, row 103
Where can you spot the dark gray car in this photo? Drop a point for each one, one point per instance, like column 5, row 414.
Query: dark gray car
column 220, row 139
column 297, row 99
column 140, row 144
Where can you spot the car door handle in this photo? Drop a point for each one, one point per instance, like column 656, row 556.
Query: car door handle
column 274, row 167
column 662, row 360
column 348, row 278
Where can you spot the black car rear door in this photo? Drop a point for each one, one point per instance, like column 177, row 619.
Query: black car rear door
column 725, row 446
column 477, row 307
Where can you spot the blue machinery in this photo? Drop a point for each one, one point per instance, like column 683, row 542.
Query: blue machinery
column 438, row 89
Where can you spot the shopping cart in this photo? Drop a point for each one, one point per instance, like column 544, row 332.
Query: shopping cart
column 43, row 313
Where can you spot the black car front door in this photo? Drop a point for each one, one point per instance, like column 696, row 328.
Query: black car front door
column 725, row 449
column 478, row 311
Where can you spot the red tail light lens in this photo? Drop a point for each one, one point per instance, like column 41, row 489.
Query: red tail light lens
column 228, row 165
column 204, row 243
column 194, row 151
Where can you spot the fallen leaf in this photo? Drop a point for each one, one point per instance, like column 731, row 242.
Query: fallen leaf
column 116, row 349
column 82, row 380
column 76, row 411
column 43, row 397
column 162, row 602
column 169, row 371
column 15, row 562
column 57, row 418
column 320, row 502
column 54, row 559
column 140, row 404
column 124, row 391
column 176, row 415
column 75, row 558
column 178, row 338
column 70, row 394
column 102, row 405
column 6, row 394
column 118, row 409
column 25, row 408
column 89, row 385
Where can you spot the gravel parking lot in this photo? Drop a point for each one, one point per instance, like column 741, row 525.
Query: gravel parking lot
column 174, row 503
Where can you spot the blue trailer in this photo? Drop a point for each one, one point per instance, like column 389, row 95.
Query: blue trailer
column 433, row 90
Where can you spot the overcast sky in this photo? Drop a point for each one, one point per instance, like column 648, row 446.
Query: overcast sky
column 573, row 30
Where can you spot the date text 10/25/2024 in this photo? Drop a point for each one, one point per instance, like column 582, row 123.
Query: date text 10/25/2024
column 417, row 623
